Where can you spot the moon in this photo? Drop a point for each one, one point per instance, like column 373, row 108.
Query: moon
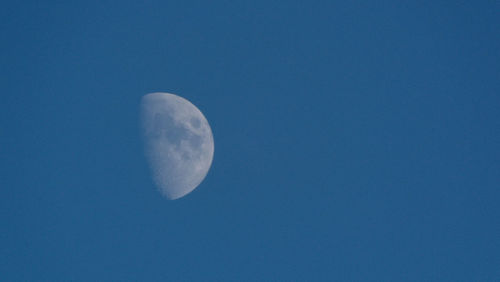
column 178, row 143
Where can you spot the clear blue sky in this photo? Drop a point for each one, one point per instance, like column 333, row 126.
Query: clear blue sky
column 354, row 141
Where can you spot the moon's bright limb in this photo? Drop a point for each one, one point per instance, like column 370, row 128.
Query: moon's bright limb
column 179, row 144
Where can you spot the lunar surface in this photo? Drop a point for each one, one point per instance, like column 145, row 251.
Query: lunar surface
column 179, row 145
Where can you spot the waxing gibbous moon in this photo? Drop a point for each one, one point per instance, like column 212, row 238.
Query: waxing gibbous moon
column 178, row 142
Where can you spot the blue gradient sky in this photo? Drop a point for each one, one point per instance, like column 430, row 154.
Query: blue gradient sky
column 354, row 141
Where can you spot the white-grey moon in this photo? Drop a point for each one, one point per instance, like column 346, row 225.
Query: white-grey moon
column 178, row 141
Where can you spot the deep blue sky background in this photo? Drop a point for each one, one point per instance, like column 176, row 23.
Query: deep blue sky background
column 354, row 141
